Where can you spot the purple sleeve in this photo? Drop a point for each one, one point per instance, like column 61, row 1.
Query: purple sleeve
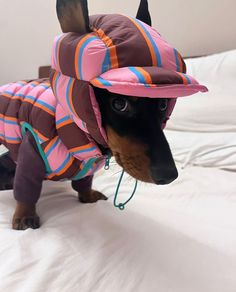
column 83, row 185
column 30, row 172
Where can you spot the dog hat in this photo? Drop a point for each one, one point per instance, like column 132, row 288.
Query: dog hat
column 124, row 56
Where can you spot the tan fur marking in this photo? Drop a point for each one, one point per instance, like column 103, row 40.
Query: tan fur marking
column 130, row 155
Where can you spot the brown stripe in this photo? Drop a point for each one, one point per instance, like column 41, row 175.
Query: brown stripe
column 38, row 119
column 134, row 52
column 163, row 76
column 84, row 109
column 67, row 54
column 71, row 172
column 72, row 136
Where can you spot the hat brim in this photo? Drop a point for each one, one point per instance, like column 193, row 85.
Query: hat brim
column 150, row 82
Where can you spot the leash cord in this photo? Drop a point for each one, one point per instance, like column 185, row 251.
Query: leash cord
column 121, row 206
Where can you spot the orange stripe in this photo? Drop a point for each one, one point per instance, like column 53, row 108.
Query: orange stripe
column 154, row 58
column 181, row 63
column 66, row 167
column 145, row 74
column 44, row 109
column 97, row 82
column 77, row 52
column 8, row 118
column 12, row 96
column 41, row 136
column 185, row 80
column 81, row 147
column 70, row 162
column 10, row 141
column 71, row 97
column 109, row 43
column 50, row 144
column 65, row 123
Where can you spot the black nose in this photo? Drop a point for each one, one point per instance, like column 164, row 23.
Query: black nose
column 164, row 175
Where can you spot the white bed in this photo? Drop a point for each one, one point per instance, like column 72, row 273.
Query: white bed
column 175, row 238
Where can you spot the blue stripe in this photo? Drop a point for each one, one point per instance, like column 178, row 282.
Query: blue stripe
column 10, row 138
column 46, row 105
column 107, row 62
column 8, row 122
column 104, row 82
column 81, row 54
column 67, row 95
column 63, row 165
column 177, row 60
column 189, row 81
column 84, row 151
column 13, row 94
column 52, row 147
column 67, row 118
column 139, row 75
column 40, row 102
column 158, row 55
column 57, row 45
column 56, row 83
column 33, row 99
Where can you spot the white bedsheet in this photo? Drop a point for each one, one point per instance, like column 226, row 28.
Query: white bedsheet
column 177, row 238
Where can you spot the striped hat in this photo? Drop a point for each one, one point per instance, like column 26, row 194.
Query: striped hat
column 124, row 56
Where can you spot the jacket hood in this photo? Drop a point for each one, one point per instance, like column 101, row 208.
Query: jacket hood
column 122, row 55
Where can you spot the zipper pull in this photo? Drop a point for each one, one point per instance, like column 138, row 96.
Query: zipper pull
column 107, row 163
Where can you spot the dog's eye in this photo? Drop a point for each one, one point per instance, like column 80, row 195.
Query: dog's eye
column 163, row 104
column 120, row 104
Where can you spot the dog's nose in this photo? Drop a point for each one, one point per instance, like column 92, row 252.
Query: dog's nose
column 164, row 176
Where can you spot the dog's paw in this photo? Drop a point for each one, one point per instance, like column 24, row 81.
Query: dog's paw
column 26, row 222
column 91, row 197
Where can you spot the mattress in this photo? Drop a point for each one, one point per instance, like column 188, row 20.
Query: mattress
column 175, row 238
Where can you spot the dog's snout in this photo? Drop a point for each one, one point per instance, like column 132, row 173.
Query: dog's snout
column 164, row 176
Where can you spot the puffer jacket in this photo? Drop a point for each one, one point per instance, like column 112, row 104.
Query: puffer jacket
column 122, row 55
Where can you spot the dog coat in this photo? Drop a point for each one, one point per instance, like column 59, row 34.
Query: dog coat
column 120, row 54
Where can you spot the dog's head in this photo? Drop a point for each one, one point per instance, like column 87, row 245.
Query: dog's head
column 133, row 124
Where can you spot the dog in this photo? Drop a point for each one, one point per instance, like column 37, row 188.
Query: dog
column 128, row 126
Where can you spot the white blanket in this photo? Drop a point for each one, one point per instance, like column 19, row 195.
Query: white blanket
column 177, row 238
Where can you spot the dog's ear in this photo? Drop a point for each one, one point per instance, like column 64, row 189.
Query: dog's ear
column 143, row 12
column 73, row 15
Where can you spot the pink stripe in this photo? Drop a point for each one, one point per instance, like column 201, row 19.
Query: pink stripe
column 140, row 90
column 166, row 51
column 57, row 156
column 92, row 59
column 9, row 130
column 61, row 91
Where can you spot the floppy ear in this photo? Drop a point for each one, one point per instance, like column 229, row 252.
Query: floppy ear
column 143, row 12
column 73, row 15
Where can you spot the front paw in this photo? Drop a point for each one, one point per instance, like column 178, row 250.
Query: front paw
column 91, row 197
column 24, row 223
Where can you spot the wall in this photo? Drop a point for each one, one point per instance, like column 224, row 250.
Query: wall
column 27, row 28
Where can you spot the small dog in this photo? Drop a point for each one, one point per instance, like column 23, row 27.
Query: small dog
column 131, row 126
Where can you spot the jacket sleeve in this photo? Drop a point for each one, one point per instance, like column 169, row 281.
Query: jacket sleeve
column 30, row 172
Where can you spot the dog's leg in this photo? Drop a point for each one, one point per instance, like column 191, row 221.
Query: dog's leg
column 85, row 192
column 7, row 172
column 30, row 173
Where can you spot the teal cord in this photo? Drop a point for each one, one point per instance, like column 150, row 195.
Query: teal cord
column 121, row 206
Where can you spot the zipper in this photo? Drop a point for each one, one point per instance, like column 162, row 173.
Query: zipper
column 107, row 163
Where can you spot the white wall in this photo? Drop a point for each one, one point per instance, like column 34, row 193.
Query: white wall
column 27, row 28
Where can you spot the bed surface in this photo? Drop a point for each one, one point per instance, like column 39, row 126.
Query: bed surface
column 175, row 238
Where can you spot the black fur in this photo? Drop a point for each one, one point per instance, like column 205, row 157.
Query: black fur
column 142, row 123
column 143, row 13
column 7, row 172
